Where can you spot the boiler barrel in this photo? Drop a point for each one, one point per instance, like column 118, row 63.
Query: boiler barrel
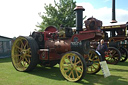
column 59, row 46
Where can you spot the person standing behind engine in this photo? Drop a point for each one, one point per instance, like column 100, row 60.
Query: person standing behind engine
column 102, row 47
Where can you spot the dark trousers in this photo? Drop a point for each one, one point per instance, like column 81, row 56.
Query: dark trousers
column 102, row 55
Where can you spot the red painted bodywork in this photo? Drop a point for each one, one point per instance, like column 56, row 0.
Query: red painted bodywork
column 91, row 34
column 57, row 46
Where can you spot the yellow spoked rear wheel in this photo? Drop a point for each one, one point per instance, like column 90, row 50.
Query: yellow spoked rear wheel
column 93, row 62
column 24, row 54
column 72, row 66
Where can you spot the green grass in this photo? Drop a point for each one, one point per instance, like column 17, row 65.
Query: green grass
column 52, row 76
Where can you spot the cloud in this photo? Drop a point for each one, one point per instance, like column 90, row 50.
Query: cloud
column 106, row 0
column 122, row 15
column 19, row 17
column 105, row 14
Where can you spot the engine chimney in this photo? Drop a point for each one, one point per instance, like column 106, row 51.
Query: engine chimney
column 79, row 18
column 113, row 12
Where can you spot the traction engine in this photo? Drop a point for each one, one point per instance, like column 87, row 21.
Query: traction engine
column 72, row 52
column 116, row 35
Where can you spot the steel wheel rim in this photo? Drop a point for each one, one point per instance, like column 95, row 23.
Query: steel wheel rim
column 94, row 59
column 123, row 55
column 111, row 57
column 71, row 67
column 21, row 54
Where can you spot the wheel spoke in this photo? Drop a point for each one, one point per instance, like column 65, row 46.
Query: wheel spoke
column 68, row 58
column 93, row 67
column 113, row 56
column 23, row 52
column 18, row 47
column 90, row 55
column 28, row 55
column 26, row 44
column 66, row 67
column 66, row 64
column 79, row 66
column 75, row 59
column 77, row 62
column 22, row 43
column 96, row 60
column 76, row 73
column 26, row 60
column 109, row 58
column 116, row 55
column 17, row 55
column 24, row 63
column 72, row 74
column 67, row 70
column 96, row 63
column 28, row 49
column 93, row 62
column 79, row 71
column 20, row 60
column 72, row 67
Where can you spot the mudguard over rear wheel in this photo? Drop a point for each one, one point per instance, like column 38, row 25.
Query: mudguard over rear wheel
column 72, row 66
column 24, row 54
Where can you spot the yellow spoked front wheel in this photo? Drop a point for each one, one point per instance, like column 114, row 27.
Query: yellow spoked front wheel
column 93, row 62
column 24, row 54
column 72, row 66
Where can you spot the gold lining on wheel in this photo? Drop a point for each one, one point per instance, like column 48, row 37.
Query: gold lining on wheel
column 93, row 60
column 21, row 54
column 71, row 67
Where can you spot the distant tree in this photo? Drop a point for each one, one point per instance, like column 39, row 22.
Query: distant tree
column 61, row 13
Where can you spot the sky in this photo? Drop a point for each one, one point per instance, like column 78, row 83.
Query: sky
column 20, row 17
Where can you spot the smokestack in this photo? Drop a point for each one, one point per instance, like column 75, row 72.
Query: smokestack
column 79, row 18
column 113, row 12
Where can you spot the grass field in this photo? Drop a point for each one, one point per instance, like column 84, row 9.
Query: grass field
column 52, row 76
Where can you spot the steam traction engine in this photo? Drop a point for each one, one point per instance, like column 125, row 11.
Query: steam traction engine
column 115, row 37
column 72, row 52
column 117, row 45
column 118, row 33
